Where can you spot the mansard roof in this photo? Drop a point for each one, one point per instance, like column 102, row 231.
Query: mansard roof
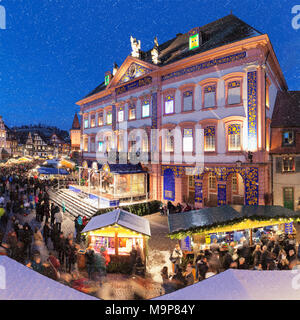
column 221, row 32
column 287, row 109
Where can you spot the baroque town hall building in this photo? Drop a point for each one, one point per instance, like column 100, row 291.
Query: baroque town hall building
column 223, row 78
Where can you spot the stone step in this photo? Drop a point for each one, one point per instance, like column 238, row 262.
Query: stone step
column 72, row 205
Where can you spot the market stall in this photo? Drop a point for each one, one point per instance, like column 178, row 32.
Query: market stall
column 118, row 231
column 197, row 228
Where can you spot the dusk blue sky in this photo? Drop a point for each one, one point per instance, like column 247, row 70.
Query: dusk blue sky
column 54, row 52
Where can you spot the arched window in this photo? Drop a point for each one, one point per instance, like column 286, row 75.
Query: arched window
column 234, row 137
column 210, row 139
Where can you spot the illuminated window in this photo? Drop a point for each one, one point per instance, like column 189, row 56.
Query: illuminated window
column 169, row 141
column 288, row 138
column 210, row 139
column 194, row 38
column 288, row 164
column 107, row 79
column 100, row 146
column 85, row 144
column 93, row 121
column 188, row 100
column 132, row 113
column 268, row 93
column 109, row 117
column 146, row 109
column 209, row 96
column 188, row 140
column 169, row 104
column 234, row 137
column 100, row 119
column 121, row 115
column 212, row 181
column 86, row 123
column 234, row 92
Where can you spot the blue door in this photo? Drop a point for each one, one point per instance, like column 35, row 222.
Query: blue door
column 169, row 185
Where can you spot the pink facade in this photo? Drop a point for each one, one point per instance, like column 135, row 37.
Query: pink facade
column 227, row 93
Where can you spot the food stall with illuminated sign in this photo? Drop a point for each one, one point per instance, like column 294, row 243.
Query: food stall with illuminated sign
column 195, row 229
column 117, row 231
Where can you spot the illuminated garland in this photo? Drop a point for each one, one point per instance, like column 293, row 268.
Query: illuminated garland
column 240, row 224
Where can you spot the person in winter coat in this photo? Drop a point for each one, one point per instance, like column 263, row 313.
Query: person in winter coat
column 36, row 264
column 52, row 214
column 12, row 241
column 265, row 258
column 202, row 267
column 99, row 267
column 70, row 255
column 106, row 256
column 61, row 246
column 256, row 256
column 188, row 275
column 78, row 228
column 90, row 261
column 84, row 221
column 38, row 238
column 58, row 219
column 176, row 257
column 225, row 257
column 27, row 239
column 46, row 232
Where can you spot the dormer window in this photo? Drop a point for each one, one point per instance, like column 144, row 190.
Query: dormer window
column 288, row 138
column 194, row 38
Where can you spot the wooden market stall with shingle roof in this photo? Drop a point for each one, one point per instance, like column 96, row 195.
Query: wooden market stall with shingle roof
column 117, row 231
column 198, row 224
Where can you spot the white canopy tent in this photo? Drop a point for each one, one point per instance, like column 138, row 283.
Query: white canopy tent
column 18, row 282
column 242, row 285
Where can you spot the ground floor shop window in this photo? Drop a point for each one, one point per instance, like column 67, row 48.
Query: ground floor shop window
column 124, row 244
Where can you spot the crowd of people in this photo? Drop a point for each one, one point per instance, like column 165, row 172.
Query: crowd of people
column 271, row 252
column 39, row 243
column 169, row 208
